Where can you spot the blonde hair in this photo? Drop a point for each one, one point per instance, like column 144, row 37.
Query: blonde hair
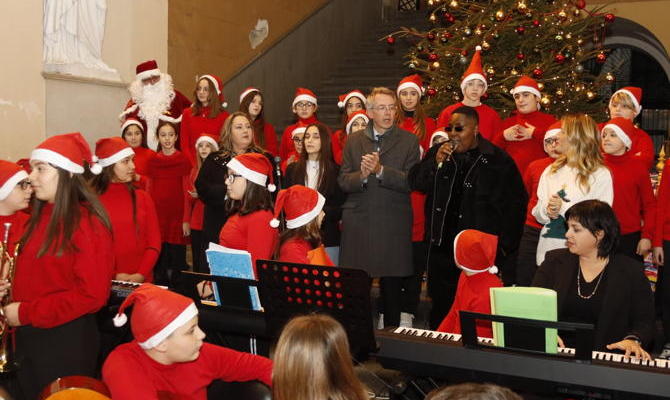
column 583, row 151
column 226, row 140
column 370, row 102
column 623, row 99
column 312, row 362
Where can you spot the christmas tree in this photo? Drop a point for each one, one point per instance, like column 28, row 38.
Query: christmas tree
column 554, row 42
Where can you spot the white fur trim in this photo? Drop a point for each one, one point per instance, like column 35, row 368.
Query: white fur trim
column 473, row 77
column 492, row 269
column 148, row 74
column 59, row 160
column 129, row 122
column 300, row 129
column 213, row 80
column 551, row 133
column 304, row 97
column 478, row 48
column 170, row 119
column 438, row 133
column 349, row 95
column 127, row 111
column 188, row 313
column 520, row 89
column 114, row 158
column 224, row 104
column 305, row 218
column 246, row 92
column 637, row 105
column 274, row 222
column 272, row 188
column 209, row 140
column 120, row 320
column 410, row 85
column 248, row 174
column 621, row 134
column 10, row 183
column 348, row 127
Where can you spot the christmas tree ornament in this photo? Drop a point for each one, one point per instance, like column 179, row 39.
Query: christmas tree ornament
column 601, row 57
column 536, row 50
column 432, row 18
column 559, row 58
column 486, row 45
column 590, row 95
column 562, row 15
column 463, row 60
column 609, row 77
column 520, row 30
column 500, row 15
column 478, row 32
column 559, row 92
column 577, row 13
column 390, row 40
column 567, row 54
column 609, row 18
column 419, row 48
column 540, row 85
column 536, row 23
column 537, row 73
column 431, row 92
column 490, row 71
column 580, row 4
column 520, row 56
column 467, row 31
column 449, row 17
column 435, row 65
column 412, row 65
column 568, row 35
column 558, row 38
column 431, row 36
column 453, row 4
column 433, row 57
column 514, row 72
column 545, row 101
column 521, row 7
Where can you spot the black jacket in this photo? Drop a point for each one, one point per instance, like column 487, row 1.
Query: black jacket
column 494, row 199
column 628, row 306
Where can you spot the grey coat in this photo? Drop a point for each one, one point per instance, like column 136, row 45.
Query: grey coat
column 377, row 215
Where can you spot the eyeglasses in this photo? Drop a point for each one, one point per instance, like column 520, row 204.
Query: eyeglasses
column 458, row 129
column 231, row 178
column 24, row 184
column 297, row 140
column 550, row 141
column 390, row 107
column 304, row 104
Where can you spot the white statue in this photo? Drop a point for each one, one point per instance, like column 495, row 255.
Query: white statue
column 73, row 33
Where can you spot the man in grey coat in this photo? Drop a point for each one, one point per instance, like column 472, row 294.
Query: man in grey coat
column 377, row 215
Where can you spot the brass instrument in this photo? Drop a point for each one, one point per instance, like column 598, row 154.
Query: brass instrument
column 7, row 261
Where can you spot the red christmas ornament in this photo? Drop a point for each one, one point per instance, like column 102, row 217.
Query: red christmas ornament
column 520, row 30
column 559, row 58
column 448, row 35
column 601, row 58
column 433, row 57
column 390, row 40
column 520, row 56
column 464, row 53
column 449, row 17
column 431, row 92
column 430, row 36
column 580, row 4
column 537, row 73
column 536, row 23
column 609, row 18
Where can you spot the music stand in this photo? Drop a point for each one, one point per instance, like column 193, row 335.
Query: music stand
column 288, row 289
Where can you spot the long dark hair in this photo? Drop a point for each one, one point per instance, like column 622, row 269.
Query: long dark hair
column 255, row 198
column 72, row 192
column 259, row 123
column 144, row 135
column 310, row 232
column 327, row 167
column 214, row 102
column 162, row 123
column 100, row 183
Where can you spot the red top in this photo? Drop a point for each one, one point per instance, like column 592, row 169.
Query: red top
column 194, row 208
column 141, row 160
column 531, row 178
column 526, row 151
column 408, row 124
column 662, row 226
column 472, row 294
column 192, row 126
column 295, row 250
column 634, row 200
column 137, row 242
column 131, row 374
column 489, row 121
column 18, row 220
column 251, row 232
column 287, row 146
column 642, row 146
column 270, row 137
column 337, row 141
column 54, row 290
column 168, row 180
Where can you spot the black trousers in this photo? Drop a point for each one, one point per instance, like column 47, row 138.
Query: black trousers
column 526, row 264
column 171, row 261
column 390, row 288
column 442, row 281
column 47, row 354
column 198, row 247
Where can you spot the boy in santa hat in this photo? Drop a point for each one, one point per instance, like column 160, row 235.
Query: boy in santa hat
column 304, row 107
column 168, row 356
column 475, row 254
column 152, row 99
column 474, row 88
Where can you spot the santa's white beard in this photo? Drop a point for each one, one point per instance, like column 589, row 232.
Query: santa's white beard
column 152, row 101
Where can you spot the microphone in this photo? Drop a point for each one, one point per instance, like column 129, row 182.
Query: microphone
column 439, row 165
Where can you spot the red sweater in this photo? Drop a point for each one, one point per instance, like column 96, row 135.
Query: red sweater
column 472, row 294
column 337, row 141
column 295, row 250
column 192, row 126
column 251, row 232
column 526, row 151
column 270, row 137
column 634, row 200
column 54, row 290
column 168, row 179
column 641, row 146
column 287, row 146
column 18, row 220
column 489, row 121
column 531, row 178
column 194, row 208
column 131, row 374
column 137, row 243
column 141, row 160
column 408, row 124
column 662, row 225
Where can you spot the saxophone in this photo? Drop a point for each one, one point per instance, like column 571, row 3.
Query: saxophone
column 7, row 263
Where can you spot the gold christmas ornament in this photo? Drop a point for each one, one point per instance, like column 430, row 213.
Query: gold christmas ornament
column 453, row 4
column 500, row 15
column 590, row 95
column 485, row 45
column 436, row 65
column 545, row 101
column 559, row 93
column 432, row 18
column 521, row 6
column 540, row 85
column 514, row 72
column 609, row 77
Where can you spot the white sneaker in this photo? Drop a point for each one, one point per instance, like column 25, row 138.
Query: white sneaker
column 406, row 320
column 380, row 321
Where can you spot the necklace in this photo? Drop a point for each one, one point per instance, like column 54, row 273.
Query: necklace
column 579, row 286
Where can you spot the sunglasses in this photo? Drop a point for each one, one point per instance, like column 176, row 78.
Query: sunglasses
column 454, row 128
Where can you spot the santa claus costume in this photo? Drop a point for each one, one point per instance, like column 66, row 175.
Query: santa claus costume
column 142, row 153
column 265, row 136
column 152, row 99
column 349, row 103
column 63, row 270
column 302, row 207
column 489, row 121
column 15, row 194
column 167, row 358
column 205, row 116
column 523, row 121
column 305, row 115
column 475, row 254
column 137, row 240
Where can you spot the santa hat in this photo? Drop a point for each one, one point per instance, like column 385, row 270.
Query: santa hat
column 553, row 130
column 623, row 128
column 206, row 137
column 147, row 69
column 247, row 91
column 68, row 151
column 10, row 174
column 354, row 116
column 254, row 167
column 112, row 150
column 475, row 71
column 411, row 82
column 218, row 86
column 343, row 98
column 302, row 94
column 635, row 94
column 438, row 132
column 298, row 130
column 526, row 84
column 157, row 313
column 300, row 205
column 131, row 121
column 475, row 251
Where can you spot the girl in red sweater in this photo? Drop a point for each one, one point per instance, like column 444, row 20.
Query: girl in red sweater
column 194, row 208
column 206, row 115
column 296, row 137
column 168, row 176
column 137, row 240
column 249, row 184
column 301, row 241
column 414, row 119
column 349, row 103
column 627, row 103
column 522, row 134
column 634, row 202
column 15, row 192
column 63, row 270
column 304, row 107
column 251, row 103
column 132, row 132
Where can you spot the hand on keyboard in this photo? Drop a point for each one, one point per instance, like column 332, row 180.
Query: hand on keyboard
column 631, row 347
